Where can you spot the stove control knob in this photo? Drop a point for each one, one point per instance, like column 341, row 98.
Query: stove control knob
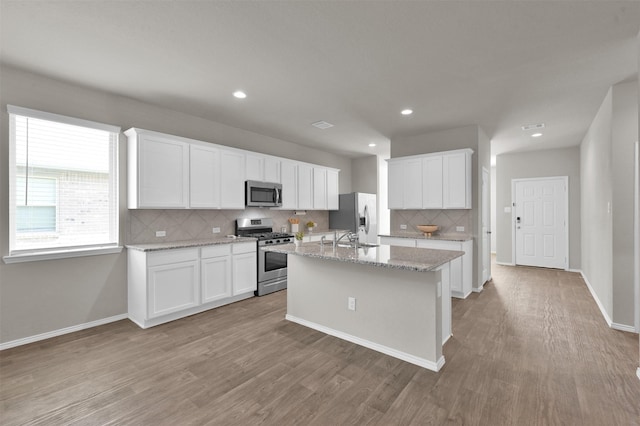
column 286, row 240
column 277, row 241
column 268, row 242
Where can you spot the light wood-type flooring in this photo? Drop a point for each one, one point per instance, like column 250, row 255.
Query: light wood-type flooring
column 531, row 349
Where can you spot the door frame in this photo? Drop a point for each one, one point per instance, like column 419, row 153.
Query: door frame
column 487, row 222
column 566, row 215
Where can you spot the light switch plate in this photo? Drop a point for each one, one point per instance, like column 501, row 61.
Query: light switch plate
column 215, row 230
column 161, row 233
column 403, row 226
column 459, row 228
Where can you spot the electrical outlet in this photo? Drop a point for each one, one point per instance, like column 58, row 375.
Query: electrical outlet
column 403, row 226
column 215, row 230
column 459, row 228
column 351, row 303
column 161, row 233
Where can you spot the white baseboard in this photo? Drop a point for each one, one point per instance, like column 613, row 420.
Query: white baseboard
column 421, row 362
column 623, row 327
column 505, row 263
column 595, row 297
column 638, row 372
column 60, row 332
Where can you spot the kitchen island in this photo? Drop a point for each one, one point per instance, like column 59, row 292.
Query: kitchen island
column 387, row 298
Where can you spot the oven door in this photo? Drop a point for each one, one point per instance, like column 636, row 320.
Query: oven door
column 271, row 265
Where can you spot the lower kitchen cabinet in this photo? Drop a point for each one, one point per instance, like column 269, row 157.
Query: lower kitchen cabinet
column 245, row 278
column 165, row 285
column 461, row 269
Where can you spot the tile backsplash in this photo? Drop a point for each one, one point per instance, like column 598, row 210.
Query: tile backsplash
column 197, row 224
column 447, row 220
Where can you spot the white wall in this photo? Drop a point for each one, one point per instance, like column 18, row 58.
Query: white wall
column 364, row 174
column 533, row 164
column 606, row 163
column 39, row 297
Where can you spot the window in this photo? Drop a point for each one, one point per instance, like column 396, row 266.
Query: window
column 63, row 183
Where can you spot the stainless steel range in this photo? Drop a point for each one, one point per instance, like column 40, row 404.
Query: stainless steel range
column 272, row 267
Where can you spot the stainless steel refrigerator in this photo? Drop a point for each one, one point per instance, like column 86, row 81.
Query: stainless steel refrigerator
column 358, row 214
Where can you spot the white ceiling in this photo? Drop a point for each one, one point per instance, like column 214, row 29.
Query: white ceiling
column 355, row 64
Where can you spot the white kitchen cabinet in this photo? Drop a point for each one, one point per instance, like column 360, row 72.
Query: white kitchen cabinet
column 215, row 272
column 232, row 175
column 165, row 285
column 254, row 164
column 319, row 188
column 173, row 282
column 244, row 264
column 461, row 269
column 289, row 176
column 405, row 183
column 456, row 176
column 397, row 241
column 305, row 186
column 158, row 171
column 432, row 182
column 333, row 189
column 272, row 167
column 204, row 177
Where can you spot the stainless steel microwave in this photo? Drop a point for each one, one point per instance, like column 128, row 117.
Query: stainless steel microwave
column 263, row 194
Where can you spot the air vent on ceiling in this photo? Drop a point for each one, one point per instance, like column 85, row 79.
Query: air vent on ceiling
column 322, row 125
column 533, row 127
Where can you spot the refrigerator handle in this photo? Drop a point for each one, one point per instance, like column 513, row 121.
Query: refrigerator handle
column 366, row 219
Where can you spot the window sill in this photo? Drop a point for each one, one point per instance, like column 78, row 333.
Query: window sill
column 60, row 254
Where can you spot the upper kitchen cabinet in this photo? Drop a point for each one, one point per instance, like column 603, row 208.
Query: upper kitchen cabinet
column 158, row 171
column 289, row 180
column 456, row 179
column 333, row 183
column 232, row 172
column 262, row 168
column 204, row 177
column 325, row 188
column 305, row 186
column 405, row 183
column 431, row 181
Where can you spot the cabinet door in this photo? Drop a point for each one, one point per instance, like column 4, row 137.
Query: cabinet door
column 245, row 273
column 455, row 268
column 255, row 167
column 215, row 278
column 432, row 182
column 333, row 198
column 397, row 241
column 305, row 186
column 289, row 185
column 232, row 180
column 456, row 181
column 204, row 171
column 319, row 188
column 412, row 182
column 272, row 170
column 396, row 186
column 163, row 173
column 173, row 288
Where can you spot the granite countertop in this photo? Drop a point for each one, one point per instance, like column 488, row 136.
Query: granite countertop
column 420, row 235
column 411, row 259
column 188, row 243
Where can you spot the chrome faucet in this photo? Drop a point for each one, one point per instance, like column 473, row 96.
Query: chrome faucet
column 351, row 236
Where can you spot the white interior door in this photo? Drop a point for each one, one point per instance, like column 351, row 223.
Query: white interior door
column 486, row 231
column 540, row 221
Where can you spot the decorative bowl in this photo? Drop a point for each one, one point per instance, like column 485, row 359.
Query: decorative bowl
column 427, row 230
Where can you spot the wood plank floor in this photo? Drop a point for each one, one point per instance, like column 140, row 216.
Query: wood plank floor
column 531, row 349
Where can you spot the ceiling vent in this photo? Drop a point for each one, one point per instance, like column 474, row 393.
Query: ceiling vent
column 533, row 127
column 322, row 125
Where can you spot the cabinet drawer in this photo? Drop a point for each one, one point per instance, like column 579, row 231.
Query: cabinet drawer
column 165, row 257
column 215, row 251
column 244, row 248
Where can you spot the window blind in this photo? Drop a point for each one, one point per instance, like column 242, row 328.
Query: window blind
column 64, row 182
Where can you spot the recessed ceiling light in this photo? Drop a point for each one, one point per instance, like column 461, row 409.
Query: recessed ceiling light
column 536, row 135
column 406, row 111
column 322, row 125
column 239, row 94
column 372, row 145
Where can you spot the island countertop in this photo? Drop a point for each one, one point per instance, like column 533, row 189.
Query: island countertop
column 407, row 258
column 437, row 237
